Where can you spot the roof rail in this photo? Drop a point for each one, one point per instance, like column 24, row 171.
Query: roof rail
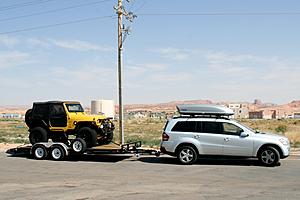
column 202, row 116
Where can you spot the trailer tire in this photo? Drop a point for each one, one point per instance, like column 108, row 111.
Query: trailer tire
column 78, row 145
column 89, row 135
column 57, row 152
column 39, row 152
column 38, row 134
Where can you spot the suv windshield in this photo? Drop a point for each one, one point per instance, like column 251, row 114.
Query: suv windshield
column 74, row 108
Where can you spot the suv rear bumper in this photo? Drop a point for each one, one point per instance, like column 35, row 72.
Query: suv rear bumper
column 164, row 151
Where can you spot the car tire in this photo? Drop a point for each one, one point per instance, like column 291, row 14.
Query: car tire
column 88, row 135
column 57, row 152
column 78, row 145
column 39, row 152
column 269, row 156
column 187, row 155
column 38, row 134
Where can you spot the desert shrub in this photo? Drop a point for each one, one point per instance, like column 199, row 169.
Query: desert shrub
column 281, row 129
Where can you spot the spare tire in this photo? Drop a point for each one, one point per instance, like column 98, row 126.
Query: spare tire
column 28, row 117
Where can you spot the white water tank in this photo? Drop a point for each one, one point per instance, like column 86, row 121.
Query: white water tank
column 106, row 107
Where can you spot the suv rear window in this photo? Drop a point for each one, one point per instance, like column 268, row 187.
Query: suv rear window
column 185, row 126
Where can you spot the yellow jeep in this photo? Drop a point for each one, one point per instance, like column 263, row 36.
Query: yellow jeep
column 56, row 120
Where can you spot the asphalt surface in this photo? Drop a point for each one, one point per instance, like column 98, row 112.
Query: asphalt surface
column 146, row 177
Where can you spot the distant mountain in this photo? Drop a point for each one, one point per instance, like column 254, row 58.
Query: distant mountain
column 159, row 107
column 288, row 108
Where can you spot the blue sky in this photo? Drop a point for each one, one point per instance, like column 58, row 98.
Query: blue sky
column 166, row 58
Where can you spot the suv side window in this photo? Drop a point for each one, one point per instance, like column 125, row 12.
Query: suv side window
column 184, row 126
column 231, row 129
column 211, row 127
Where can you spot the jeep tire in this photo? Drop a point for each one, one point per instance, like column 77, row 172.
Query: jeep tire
column 38, row 134
column 89, row 135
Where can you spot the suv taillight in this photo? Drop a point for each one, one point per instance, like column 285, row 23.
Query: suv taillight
column 165, row 137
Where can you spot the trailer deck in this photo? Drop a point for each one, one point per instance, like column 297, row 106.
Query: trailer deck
column 58, row 151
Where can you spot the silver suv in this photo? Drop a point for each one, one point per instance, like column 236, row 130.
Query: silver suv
column 208, row 130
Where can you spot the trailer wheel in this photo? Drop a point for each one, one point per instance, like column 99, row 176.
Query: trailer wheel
column 39, row 152
column 57, row 152
column 78, row 145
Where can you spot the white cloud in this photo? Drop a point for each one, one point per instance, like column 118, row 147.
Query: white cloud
column 88, row 74
column 13, row 58
column 8, row 41
column 174, row 53
column 172, row 77
column 38, row 42
column 79, row 45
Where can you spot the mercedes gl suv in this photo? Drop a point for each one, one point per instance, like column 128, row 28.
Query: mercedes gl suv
column 203, row 130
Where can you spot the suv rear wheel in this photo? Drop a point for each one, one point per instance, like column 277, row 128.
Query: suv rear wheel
column 88, row 135
column 38, row 134
column 187, row 155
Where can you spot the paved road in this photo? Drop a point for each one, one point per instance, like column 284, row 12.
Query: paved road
column 102, row 177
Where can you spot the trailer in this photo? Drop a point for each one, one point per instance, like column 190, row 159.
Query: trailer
column 60, row 151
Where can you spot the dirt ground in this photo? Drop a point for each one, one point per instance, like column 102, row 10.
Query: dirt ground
column 6, row 146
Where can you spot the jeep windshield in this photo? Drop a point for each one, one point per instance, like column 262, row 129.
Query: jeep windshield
column 74, row 108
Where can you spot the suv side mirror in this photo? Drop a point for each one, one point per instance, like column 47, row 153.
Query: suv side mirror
column 243, row 134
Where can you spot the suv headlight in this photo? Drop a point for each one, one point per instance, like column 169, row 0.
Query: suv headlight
column 284, row 141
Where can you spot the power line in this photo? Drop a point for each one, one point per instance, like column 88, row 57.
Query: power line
column 57, row 24
column 53, row 10
column 20, row 5
column 220, row 14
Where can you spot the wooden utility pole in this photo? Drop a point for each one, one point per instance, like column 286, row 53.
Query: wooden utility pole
column 120, row 48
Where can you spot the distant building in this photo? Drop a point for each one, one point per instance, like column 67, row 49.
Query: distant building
column 297, row 115
column 11, row 115
column 138, row 114
column 269, row 114
column 106, row 107
column 256, row 115
column 240, row 110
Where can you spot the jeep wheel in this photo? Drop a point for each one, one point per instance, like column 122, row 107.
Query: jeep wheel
column 106, row 139
column 269, row 156
column 37, row 134
column 78, row 145
column 88, row 135
column 187, row 155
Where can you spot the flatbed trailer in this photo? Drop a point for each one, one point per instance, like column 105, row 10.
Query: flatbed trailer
column 60, row 151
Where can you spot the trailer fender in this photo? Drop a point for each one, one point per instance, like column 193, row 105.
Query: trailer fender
column 48, row 145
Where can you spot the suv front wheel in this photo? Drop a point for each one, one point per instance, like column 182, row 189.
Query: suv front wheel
column 269, row 156
column 187, row 155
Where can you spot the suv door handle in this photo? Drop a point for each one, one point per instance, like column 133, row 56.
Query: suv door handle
column 196, row 136
column 226, row 139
